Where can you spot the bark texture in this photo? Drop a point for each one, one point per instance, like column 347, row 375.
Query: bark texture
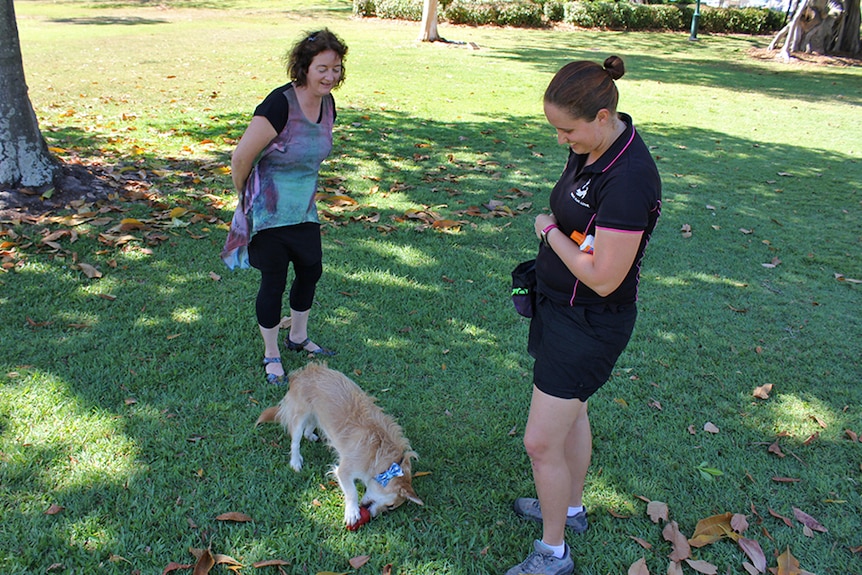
column 24, row 157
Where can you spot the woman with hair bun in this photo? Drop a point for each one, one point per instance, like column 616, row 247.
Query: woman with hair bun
column 603, row 211
column 275, row 169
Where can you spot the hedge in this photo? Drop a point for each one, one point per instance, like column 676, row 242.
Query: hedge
column 610, row 15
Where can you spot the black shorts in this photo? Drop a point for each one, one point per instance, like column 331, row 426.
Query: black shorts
column 576, row 347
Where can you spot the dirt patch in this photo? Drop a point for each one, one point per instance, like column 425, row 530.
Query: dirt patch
column 805, row 59
column 74, row 183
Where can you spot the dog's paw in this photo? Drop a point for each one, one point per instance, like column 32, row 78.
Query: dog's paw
column 351, row 514
column 310, row 435
column 296, row 462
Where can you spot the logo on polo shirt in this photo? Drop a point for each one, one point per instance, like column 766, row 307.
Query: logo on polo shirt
column 579, row 194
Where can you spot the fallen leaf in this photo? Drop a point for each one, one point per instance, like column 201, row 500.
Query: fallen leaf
column 739, row 522
column 851, row 434
column 808, row 521
column 702, row 567
column 779, row 516
column 359, row 561
column 710, row 427
column 234, row 516
column 89, row 271
column 641, row 542
column 639, row 567
column 774, row 448
column 174, row 566
column 785, row 479
column 674, row 568
column 711, row 529
column 763, row 391
column 54, row 509
column 657, row 510
column 270, row 563
column 204, row 563
column 788, row 564
column 681, row 548
column 753, row 551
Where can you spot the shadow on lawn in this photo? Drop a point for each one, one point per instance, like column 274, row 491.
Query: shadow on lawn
column 808, row 84
column 184, row 349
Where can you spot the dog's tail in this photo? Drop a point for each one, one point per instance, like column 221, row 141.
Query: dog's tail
column 268, row 415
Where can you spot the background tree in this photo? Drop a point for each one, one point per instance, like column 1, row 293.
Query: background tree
column 821, row 27
column 24, row 157
column 429, row 22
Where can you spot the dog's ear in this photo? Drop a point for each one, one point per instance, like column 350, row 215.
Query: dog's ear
column 410, row 495
column 267, row 415
column 406, row 460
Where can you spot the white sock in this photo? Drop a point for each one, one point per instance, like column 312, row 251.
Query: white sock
column 574, row 511
column 558, row 550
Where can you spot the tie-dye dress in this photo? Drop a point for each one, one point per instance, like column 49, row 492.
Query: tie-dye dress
column 281, row 187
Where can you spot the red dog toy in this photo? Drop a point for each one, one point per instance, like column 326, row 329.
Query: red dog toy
column 364, row 517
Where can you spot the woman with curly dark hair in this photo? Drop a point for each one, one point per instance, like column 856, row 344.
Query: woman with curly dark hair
column 275, row 169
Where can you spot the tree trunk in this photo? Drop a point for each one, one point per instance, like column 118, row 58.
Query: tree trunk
column 429, row 22
column 24, row 157
column 850, row 42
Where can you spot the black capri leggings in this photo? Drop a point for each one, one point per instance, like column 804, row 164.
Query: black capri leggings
column 271, row 251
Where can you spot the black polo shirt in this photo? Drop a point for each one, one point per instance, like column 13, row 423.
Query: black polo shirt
column 620, row 191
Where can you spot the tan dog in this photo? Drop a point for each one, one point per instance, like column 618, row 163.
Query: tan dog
column 371, row 446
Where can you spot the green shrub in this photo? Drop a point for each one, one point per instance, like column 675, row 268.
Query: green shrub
column 554, row 10
column 399, row 9
column 521, row 13
column 611, row 15
column 364, row 8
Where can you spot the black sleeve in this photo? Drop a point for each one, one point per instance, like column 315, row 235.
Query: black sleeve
column 274, row 108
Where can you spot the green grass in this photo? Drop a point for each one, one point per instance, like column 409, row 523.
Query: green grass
column 129, row 400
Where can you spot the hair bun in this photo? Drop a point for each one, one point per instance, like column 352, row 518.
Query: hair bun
column 615, row 67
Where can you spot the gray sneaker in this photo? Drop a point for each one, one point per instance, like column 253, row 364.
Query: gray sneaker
column 528, row 508
column 542, row 562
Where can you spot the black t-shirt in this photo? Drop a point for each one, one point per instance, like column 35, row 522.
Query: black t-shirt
column 274, row 107
column 620, row 191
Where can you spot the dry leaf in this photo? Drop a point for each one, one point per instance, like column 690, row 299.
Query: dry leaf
column 271, row 563
column 787, row 564
column 359, row 561
column 763, row 391
column 702, row 567
column 174, row 566
column 204, row 563
column 808, row 521
column 387, row 569
column 750, row 569
column 851, row 434
column 710, row 427
column 641, row 542
column 89, row 270
column 739, row 522
column 657, row 510
column 681, row 548
column 711, row 529
column 778, row 516
column 639, row 568
column 234, row 516
column 54, row 509
column 774, row 448
column 752, row 550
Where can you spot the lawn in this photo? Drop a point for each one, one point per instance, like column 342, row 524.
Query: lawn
column 131, row 379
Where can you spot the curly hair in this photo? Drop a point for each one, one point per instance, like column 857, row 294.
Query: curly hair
column 583, row 88
column 303, row 52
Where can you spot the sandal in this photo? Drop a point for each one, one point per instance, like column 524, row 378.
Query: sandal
column 272, row 378
column 300, row 347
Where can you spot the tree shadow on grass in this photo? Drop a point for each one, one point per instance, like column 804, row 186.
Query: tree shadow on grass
column 686, row 68
column 421, row 318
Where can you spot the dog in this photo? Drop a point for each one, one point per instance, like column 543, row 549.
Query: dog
column 370, row 445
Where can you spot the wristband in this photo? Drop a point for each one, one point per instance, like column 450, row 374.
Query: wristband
column 545, row 232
